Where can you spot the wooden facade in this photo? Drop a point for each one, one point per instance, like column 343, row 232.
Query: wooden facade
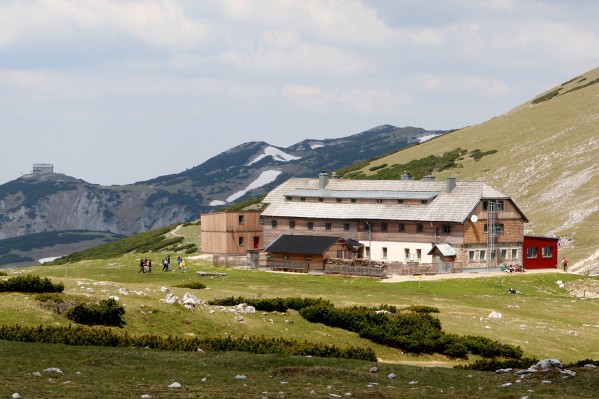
column 307, row 258
column 231, row 233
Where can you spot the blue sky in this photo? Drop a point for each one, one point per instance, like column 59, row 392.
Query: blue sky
column 115, row 92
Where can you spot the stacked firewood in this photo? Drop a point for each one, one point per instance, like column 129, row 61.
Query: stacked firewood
column 356, row 262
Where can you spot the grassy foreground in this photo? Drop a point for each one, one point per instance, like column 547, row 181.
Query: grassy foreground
column 545, row 320
column 90, row 372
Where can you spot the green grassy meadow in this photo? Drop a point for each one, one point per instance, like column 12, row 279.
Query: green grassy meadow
column 545, row 320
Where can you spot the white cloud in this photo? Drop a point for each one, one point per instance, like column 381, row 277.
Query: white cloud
column 360, row 100
column 286, row 53
column 158, row 23
column 346, row 21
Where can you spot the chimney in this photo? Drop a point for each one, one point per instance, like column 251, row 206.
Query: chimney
column 450, row 184
column 428, row 178
column 334, row 175
column 323, row 180
column 406, row 176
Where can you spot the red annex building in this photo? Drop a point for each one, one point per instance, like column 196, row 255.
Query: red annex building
column 539, row 252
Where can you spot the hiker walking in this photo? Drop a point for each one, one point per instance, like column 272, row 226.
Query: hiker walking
column 565, row 264
column 164, row 265
column 142, row 266
column 183, row 267
column 179, row 262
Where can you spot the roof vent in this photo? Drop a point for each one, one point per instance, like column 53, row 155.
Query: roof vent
column 406, row 176
column 428, row 178
column 450, row 184
column 323, row 180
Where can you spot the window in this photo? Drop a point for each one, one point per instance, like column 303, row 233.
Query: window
column 498, row 204
column 241, row 219
column 366, row 226
column 482, row 255
column 310, row 225
column 353, row 200
column 419, row 228
column 419, row 254
column 471, row 256
column 345, row 226
column 327, row 226
column 241, row 242
column 499, row 228
column 308, row 258
column 292, row 224
column 384, row 226
column 400, row 201
column 503, row 254
column 288, row 198
column 531, row 252
column 339, row 200
column 406, row 253
column 493, row 254
column 379, row 201
column 446, row 229
column 424, row 202
column 401, row 228
column 303, row 199
column 384, row 252
column 547, row 252
column 367, row 252
column 514, row 253
column 285, row 257
column 261, row 219
column 320, row 199
column 273, row 223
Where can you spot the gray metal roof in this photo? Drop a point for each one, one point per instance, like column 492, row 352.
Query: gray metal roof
column 455, row 206
column 382, row 194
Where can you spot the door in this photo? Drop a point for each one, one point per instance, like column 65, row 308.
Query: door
column 256, row 242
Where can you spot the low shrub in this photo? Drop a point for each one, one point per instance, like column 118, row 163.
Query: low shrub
column 421, row 309
column 30, row 283
column 194, row 285
column 269, row 304
column 496, row 364
column 79, row 335
column 106, row 313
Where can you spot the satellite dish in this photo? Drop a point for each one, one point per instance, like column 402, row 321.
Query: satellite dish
column 474, row 218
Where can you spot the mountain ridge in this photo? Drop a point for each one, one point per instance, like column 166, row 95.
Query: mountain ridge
column 51, row 202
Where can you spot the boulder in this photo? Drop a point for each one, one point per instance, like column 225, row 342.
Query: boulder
column 171, row 298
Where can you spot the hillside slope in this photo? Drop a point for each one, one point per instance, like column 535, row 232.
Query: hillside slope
column 546, row 160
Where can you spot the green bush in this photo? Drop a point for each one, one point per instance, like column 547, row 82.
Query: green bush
column 30, row 283
column 194, row 285
column 496, row 364
column 269, row 304
column 106, row 313
column 80, row 335
column 421, row 309
column 546, row 97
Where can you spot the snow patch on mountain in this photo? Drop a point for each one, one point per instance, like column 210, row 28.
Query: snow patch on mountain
column 316, row 145
column 422, row 139
column 217, row 203
column 276, row 155
column 265, row 177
